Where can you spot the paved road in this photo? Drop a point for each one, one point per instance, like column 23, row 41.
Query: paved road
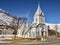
column 50, row 41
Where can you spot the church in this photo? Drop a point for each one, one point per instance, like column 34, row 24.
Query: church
column 35, row 29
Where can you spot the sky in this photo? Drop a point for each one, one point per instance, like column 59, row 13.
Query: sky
column 27, row 8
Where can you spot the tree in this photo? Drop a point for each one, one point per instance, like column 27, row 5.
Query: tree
column 15, row 24
column 24, row 21
column 15, row 33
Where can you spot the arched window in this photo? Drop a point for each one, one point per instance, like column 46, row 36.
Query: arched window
column 41, row 19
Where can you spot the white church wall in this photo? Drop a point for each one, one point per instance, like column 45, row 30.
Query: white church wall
column 33, row 33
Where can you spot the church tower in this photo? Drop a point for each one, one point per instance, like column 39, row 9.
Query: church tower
column 39, row 16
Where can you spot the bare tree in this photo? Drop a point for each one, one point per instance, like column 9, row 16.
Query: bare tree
column 24, row 21
column 15, row 24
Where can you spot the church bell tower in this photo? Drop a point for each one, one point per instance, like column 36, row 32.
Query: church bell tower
column 39, row 16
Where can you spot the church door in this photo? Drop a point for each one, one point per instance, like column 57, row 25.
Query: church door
column 42, row 33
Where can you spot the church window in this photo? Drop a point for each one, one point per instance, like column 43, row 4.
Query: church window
column 36, row 19
column 41, row 19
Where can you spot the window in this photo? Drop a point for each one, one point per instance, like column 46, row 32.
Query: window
column 41, row 19
column 36, row 19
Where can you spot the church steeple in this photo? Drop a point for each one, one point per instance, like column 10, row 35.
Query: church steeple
column 39, row 15
column 39, row 11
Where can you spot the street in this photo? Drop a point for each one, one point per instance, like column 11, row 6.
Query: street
column 50, row 41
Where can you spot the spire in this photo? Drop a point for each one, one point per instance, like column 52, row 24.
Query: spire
column 39, row 11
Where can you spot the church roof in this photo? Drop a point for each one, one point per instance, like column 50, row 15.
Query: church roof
column 39, row 11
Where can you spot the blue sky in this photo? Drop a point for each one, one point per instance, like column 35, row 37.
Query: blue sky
column 27, row 8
